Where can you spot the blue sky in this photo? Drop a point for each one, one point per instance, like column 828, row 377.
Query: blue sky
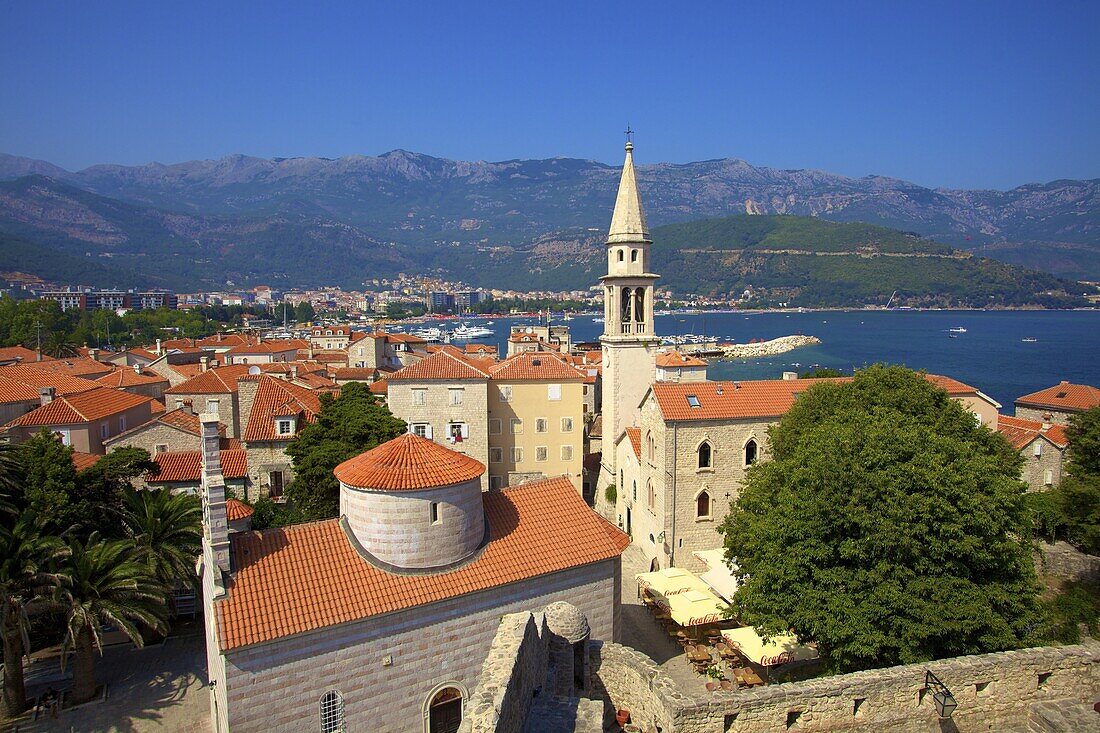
column 944, row 94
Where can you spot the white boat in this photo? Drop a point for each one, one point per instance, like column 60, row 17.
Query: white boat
column 1029, row 340
column 956, row 329
column 468, row 333
column 597, row 320
column 429, row 334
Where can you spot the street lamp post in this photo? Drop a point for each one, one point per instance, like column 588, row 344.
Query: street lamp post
column 941, row 696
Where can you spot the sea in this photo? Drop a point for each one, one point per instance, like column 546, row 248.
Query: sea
column 991, row 355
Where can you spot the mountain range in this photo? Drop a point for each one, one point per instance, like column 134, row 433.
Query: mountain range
column 307, row 221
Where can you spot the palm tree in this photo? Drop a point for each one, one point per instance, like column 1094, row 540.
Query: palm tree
column 166, row 530
column 11, row 468
column 104, row 584
column 25, row 555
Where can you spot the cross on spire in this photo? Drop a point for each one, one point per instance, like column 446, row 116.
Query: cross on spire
column 629, row 133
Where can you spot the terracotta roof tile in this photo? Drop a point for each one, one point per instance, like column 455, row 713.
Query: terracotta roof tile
column 635, row 436
column 76, row 367
column 1021, row 433
column 1065, row 397
column 34, row 377
column 536, row 365
column 382, row 387
column 265, row 347
column 307, row 577
column 443, row 365
column 363, row 374
column 82, row 461
column 19, row 353
column 235, row 510
column 278, row 398
column 222, row 380
column 129, row 377
column 674, row 359
column 175, row 466
column 480, row 349
column 404, row 338
column 408, row 463
column 80, row 408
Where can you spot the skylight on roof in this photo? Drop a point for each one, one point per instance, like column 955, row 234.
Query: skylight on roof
column 1060, row 395
column 693, row 400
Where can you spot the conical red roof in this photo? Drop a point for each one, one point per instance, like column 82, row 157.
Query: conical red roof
column 408, row 463
column 236, row 509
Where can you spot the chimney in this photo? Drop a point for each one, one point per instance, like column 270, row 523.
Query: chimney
column 215, row 524
column 1047, row 420
column 790, row 376
column 93, row 354
column 46, row 395
column 137, row 368
column 293, row 371
column 160, row 348
column 205, row 361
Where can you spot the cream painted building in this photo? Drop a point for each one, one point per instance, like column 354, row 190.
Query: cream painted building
column 536, row 420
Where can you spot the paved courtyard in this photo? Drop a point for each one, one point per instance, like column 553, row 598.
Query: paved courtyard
column 160, row 688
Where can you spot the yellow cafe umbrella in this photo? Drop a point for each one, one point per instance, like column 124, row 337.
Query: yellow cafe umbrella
column 780, row 649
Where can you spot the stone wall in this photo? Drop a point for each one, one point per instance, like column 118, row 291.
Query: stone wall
column 1062, row 560
column 994, row 692
column 1037, row 414
column 515, row 667
column 1035, row 468
column 153, row 434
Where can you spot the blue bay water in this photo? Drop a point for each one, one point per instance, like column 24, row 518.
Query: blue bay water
column 991, row 355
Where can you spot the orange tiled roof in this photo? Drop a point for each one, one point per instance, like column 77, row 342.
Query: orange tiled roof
column 128, row 377
column 535, row 365
column 77, row 367
column 674, row 359
column 480, row 349
column 364, row 374
column 445, row 365
column 307, row 577
column 635, row 435
column 19, row 353
column 222, row 380
column 333, row 331
column 408, row 463
column 278, row 398
column 186, row 465
column 236, row 510
column 82, row 461
column 33, row 376
column 80, row 408
column 404, row 338
column 266, row 347
column 1065, row 397
column 1021, row 433
column 381, row 387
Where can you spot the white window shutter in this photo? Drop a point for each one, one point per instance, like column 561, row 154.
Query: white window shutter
column 428, row 431
column 465, row 431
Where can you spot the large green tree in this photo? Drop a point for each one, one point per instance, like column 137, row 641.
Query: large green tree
column 348, row 425
column 886, row 529
column 49, row 479
column 166, row 530
column 1079, row 493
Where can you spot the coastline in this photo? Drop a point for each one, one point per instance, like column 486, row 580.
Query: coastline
column 773, row 347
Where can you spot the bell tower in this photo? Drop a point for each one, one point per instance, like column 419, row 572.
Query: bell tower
column 629, row 342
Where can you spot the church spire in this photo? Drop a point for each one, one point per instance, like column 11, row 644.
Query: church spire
column 628, row 222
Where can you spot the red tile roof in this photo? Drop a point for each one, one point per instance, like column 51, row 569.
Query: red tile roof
column 536, row 365
column 82, row 461
column 279, row 398
column 442, row 365
column 76, row 367
column 222, row 380
column 176, row 466
column 635, row 435
column 361, row 374
column 382, row 387
column 1020, row 433
column 19, row 353
column 403, row 338
column 674, row 359
column 128, row 377
column 81, row 408
column 1064, row 397
column 235, row 510
column 31, row 376
column 307, row 577
column 485, row 349
column 266, row 347
column 408, row 463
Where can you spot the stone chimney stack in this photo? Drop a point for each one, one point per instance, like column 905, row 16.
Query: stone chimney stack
column 790, row 376
column 137, row 368
column 160, row 348
column 93, row 354
column 215, row 523
column 293, row 371
column 1047, row 421
column 46, row 395
column 205, row 361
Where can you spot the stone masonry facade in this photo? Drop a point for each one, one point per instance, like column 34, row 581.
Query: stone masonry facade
column 402, row 658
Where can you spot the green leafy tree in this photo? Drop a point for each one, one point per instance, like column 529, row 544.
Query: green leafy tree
column 11, row 471
column 26, row 554
column 166, row 530
column 1079, row 493
column 100, row 488
column 104, row 584
column 304, row 312
column 886, row 529
column 49, row 481
column 348, row 425
column 820, row 373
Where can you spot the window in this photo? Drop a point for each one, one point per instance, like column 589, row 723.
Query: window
column 104, row 430
column 702, row 505
column 693, row 401
column 63, row 436
column 652, row 494
column 978, row 419
column 567, row 452
column 275, row 484
column 332, row 712
column 284, row 427
column 1038, row 448
column 540, row 425
column 650, row 446
column 494, row 426
column 496, row 482
column 423, row 429
column 553, row 392
column 455, row 396
column 634, row 491
column 750, row 452
column 458, row 432
column 620, row 255
column 121, row 423
column 516, row 424
column 704, row 455
column 622, row 481
column 567, row 424
column 435, row 512
column 540, row 453
column 161, row 448
column 633, row 255
column 506, row 394
column 517, row 455
column 420, row 396
column 496, row 455
column 1048, row 477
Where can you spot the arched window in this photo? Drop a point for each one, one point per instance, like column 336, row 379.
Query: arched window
column 622, row 482
column 626, row 305
column 332, row 712
column 702, row 505
column 633, row 255
column 634, row 491
column 620, row 255
column 650, row 446
column 704, row 455
column 445, row 711
column 652, row 494
column 750, row 452
column 639, row 305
